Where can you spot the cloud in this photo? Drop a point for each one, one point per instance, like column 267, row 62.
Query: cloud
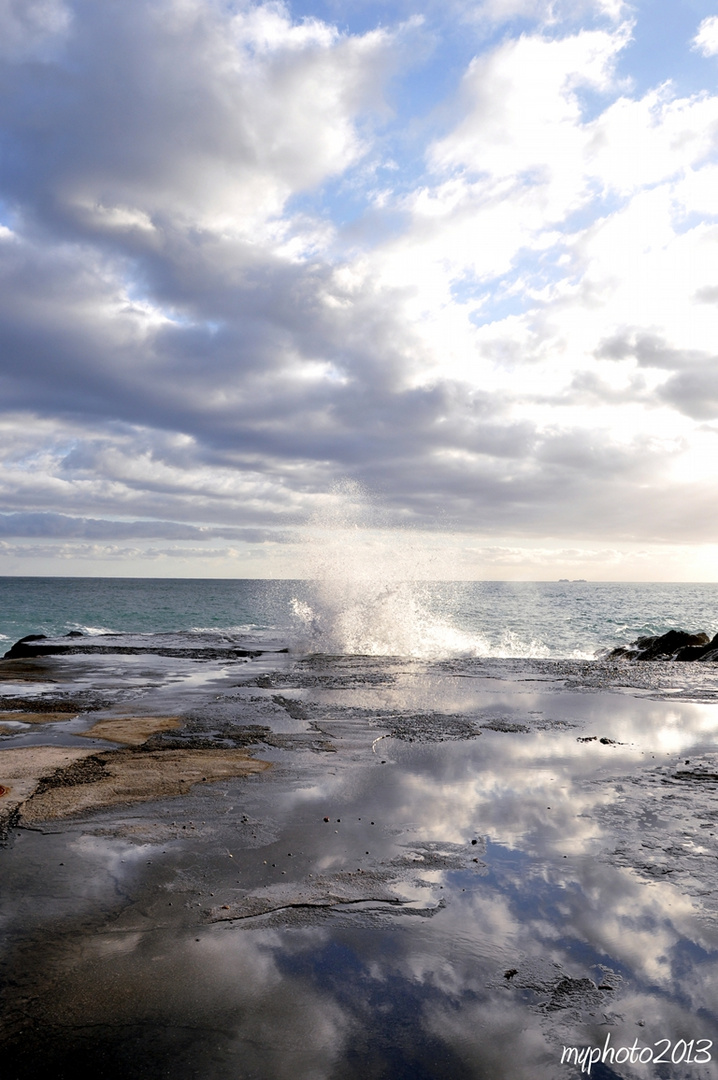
column 63, row 526
column 230, row 273
column 693, row 385
column 650, row 350
column 547, row 12
column 89, row 553
column 708, row 294
column 706, row 40
column 694, row 391
column 30, row 28
column 161, row 114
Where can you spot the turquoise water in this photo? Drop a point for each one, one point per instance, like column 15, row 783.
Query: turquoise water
column 45, row 605
column 541, row 619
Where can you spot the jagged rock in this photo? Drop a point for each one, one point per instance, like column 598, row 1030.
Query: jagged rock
column 674, row 645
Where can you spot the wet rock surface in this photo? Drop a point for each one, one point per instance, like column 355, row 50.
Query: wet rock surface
column 673, row 645
column 352, row 867
column 75, row 644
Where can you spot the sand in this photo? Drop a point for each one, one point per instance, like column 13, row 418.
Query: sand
column 22, row 768
column 42, row 783
column 35, row 717
column 131, row 730
column 127, row 776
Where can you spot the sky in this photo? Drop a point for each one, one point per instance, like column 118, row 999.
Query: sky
column 444, row 269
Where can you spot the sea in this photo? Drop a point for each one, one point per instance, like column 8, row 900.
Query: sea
column 365, row 616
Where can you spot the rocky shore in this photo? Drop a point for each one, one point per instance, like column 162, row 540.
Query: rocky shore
column 78, row 644
column 265, row 866
column 674, row 645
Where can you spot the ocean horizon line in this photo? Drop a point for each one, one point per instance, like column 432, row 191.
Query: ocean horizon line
column 418, row 581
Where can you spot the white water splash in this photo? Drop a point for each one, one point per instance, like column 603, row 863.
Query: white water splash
column 371, row 591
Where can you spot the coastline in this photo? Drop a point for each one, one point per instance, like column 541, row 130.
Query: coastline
column 427, row 859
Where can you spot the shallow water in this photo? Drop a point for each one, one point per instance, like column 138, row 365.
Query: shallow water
column 494, row 886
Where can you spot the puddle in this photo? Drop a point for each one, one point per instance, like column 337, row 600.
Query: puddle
column 420, row 900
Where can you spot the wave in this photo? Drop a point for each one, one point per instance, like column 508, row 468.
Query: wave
column 371, row 618
column 90, row 631
column 370, row 592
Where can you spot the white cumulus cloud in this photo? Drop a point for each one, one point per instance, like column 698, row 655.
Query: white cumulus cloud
column 706, row 40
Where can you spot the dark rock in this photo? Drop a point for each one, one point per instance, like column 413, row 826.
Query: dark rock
column 23, row 648
column 506, row 726
column 85, row 771
column 674, row 645
column 574, row 993
column 36, row 645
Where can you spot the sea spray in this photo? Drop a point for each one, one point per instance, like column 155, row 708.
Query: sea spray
column 371, row 590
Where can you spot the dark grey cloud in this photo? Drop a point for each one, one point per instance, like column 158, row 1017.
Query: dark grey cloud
column 649, row 350
column 692, row 386
column 63, row 526
column 694, row 392
column 66, row 527
column 241, row 389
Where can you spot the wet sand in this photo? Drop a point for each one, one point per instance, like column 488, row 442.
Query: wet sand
column 351, row 867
